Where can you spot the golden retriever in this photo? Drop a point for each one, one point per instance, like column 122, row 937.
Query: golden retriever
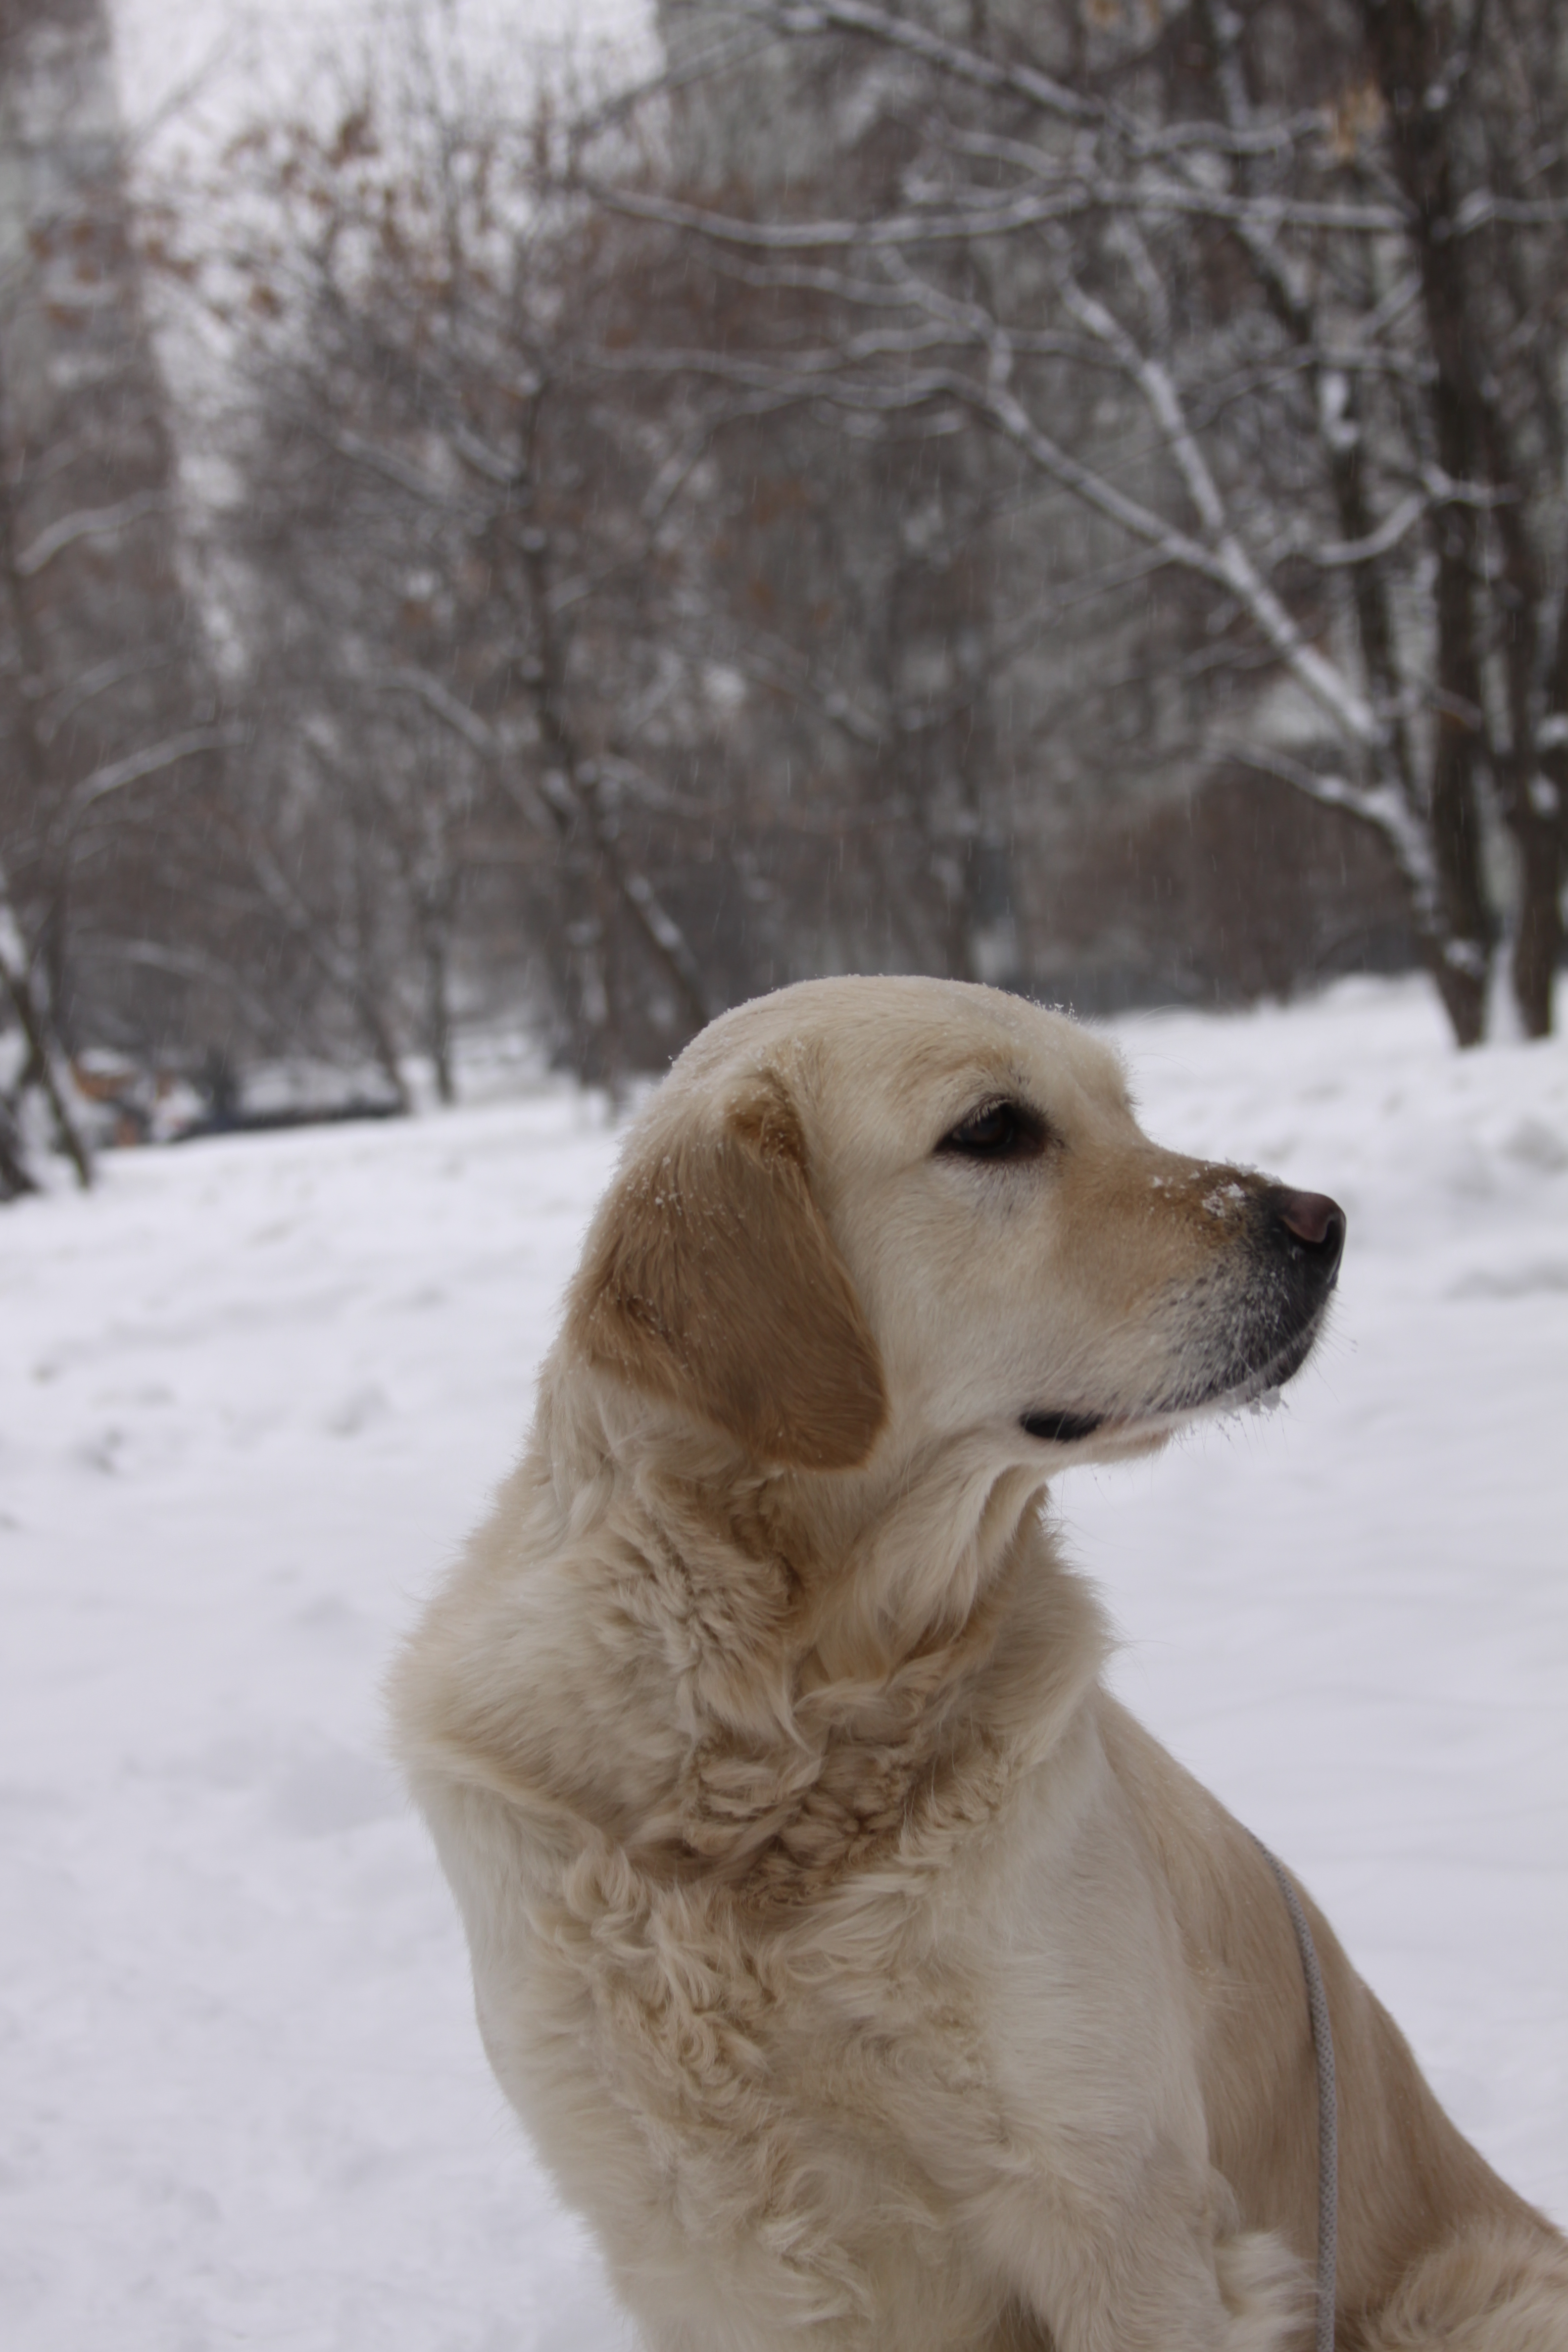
column 864, row 1973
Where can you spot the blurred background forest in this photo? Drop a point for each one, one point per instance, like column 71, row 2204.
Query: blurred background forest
column 1072, row 496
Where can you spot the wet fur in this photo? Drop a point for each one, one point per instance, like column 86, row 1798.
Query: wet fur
column 863, row 1972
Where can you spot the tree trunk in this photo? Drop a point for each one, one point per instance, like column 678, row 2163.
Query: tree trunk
column 1538, row 942
column 1463, row 989
column 1464, row 961
column 371, row 986
column 437, row 1006
column 104, row 658
column 15, row 1177
column 45, row 1066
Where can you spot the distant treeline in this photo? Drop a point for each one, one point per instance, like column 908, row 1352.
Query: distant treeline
column 1071, row 497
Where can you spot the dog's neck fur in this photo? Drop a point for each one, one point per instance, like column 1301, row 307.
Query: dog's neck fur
column 805, row 1704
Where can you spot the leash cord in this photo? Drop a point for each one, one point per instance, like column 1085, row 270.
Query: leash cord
column 1328, row 2112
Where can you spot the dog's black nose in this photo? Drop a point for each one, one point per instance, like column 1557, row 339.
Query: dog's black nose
column 1314, row 1228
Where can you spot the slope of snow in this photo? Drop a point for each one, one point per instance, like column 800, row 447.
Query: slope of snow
column 253, row 1394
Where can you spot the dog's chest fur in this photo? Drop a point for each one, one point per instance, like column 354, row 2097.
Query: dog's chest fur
column 745, row 1955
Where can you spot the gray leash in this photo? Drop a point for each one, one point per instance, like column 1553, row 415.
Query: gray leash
column 1328, row 2112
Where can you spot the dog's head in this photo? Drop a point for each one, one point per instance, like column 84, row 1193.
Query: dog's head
column 888, row 1213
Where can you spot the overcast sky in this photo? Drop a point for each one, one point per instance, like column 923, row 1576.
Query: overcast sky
column 192, row 71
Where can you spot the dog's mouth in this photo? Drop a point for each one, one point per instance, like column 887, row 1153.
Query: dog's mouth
column 1240, row 1382
column 1229, row 1337
column 1228, row 1388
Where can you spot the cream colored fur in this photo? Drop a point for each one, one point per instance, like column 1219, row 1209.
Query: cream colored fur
column 863, row 1972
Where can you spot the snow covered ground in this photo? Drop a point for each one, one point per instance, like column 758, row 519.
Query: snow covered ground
column 255, row 1391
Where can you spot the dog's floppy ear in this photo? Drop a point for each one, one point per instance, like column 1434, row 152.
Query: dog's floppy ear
column 713, row 1282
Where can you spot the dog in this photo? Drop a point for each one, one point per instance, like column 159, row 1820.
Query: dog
column 864, row 1973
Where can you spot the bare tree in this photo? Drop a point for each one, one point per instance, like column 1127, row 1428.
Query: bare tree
column 454, row 576
column 1225, row 279
column 917, row 695
column 638, row 604
column 108, row 717
column 41, row 1067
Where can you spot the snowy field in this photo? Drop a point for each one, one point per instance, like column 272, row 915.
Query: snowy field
column 255, row 1391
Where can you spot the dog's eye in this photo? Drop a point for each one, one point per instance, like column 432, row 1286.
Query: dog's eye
column 999, row 1130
